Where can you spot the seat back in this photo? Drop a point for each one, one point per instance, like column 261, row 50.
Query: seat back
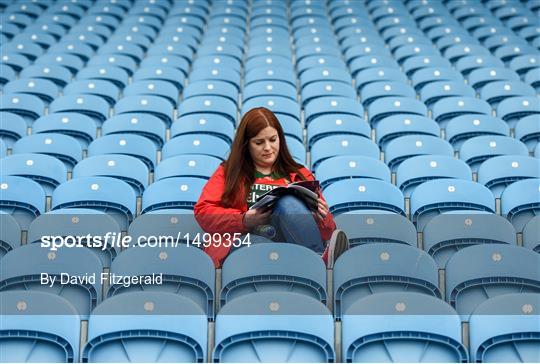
column 38, row 327
column 274, row 327
column 273, row 268
column 479, row 272
column 146, row 327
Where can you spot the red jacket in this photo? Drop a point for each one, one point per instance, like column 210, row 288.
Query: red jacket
column 214, row 218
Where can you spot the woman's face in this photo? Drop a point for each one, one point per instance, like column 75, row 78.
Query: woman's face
column 264, row 148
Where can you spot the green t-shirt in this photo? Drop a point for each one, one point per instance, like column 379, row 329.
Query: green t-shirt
column 264, row 183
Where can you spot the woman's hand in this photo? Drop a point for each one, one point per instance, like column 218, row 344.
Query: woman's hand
column 322, row 209
column 256, row 217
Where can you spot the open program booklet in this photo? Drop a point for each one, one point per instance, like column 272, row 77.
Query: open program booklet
column 305, row 190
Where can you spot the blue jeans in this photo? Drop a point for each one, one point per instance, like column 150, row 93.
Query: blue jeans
column 295, row 224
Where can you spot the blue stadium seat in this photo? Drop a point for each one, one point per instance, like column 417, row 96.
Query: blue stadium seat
column 505, row 328
column 107, row 194
column 196, row 144
column 204, row 123
column 79, row 126
column 58, row 74
column 277, row 104
column 48, row 171
column 332, row 105
column 434, row 197
column 372, row 227
column 174, row 61
column 468, row 64
column 116, row 67
column 402, row 148
column 114, row 74
column 190, row 165
column 165, row 223
column 475, row 151
column 327, row 74
column 10, row 235
column 326, row 88
column 498, row 172
column 124, row 167
column 107, row 90
column 383, row 108
column 451, row 107
column 22, row 269
column 77, row 222
column 79, row 49
column 486, row 75
column 30, row 107
column 21, row 197
column 63, row 147
column 159, row 88
column 387, row 131
column 337, row 168
column 129, row 144
column 435, row 91
column 419, row 169
column 274, row 327
column 88, row 38
column 219, row 60
column 374, row 74
column 273, row 268
column 12, row 128
column 520, row 202
column 146, row 326
column 450, row 232
column 425, row 76
column 461, row 128
column 29, row 50
column 146, row 125
column 38, row 326
column 270, row 73
column 319, row 61
column 216, row 73
column 265, row 61
column 420, row 68
column 296, row 149
column 530, row 234
column 377, row 90
column 268, row 88
column 515, row 108
column 532, row 78
column 172, row 193
column 146, row 104
column 186, row 271
column 15, row 61
column 400, row 327
column 209, row 104
column 91, row 105
column 363, row 63
column 528, row 131
column 336, row 124
column 211, row 88
column 363, row 194
column 522, row 63
column 7, row 74
column 168, row 74
column 495, row 92
column 383, row 267
column 335, row 145
column 458, row 51
column 484, row 271
column 44, row 89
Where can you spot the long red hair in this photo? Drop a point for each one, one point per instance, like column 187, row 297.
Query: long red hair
column 239, row 167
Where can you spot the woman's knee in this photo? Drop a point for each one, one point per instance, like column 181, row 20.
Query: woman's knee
column 290, row 204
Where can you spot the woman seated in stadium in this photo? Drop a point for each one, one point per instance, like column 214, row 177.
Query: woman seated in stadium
column 258, row 162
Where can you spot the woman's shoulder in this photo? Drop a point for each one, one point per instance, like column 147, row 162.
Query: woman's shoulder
column 306, row 172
